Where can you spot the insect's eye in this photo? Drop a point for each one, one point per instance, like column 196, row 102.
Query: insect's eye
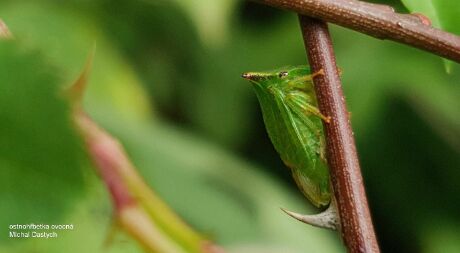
column 283, row 74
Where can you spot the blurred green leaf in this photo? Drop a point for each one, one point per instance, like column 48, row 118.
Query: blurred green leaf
column 425, row 7
column 66, row 37
column 444, row 14
column 40, row 156
column 441, row 234
column 93, row 225
column 152, row 36
column 211, row 18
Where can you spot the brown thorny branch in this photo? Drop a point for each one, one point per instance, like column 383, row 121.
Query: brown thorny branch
column 355, row 221
column 379, row 21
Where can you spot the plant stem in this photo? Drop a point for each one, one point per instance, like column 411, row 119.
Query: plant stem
column 356, row 229
column 379, row 21
column 139, row 211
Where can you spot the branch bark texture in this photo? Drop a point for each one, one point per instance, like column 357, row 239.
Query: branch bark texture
column 356, row 226
column 379, row 21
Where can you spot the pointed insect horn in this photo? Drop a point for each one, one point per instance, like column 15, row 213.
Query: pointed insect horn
column 248, row 75
column 255, row 76
column 326, row 219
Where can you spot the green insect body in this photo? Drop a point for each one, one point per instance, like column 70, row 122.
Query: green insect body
column 294, row 125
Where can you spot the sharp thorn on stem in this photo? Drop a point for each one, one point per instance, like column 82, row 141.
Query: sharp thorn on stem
column 326, row 219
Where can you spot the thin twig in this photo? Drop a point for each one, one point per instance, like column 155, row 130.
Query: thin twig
column 139, row 211
column 379, row 21
column 356, row 226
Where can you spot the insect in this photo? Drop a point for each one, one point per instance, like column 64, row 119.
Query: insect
column 294, row 125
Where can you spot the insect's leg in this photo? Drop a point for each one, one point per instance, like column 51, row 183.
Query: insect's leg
column 299, row 100
column 314, row 110
column 317, row 73
column 340, row 71
column 321, row 73
column 322, row 148
column 308, row 78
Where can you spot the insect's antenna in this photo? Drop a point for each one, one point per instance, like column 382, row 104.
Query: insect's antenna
column 326, row 219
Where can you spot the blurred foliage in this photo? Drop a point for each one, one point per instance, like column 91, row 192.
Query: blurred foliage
column 443, row 14
column 37, row 142
column 166, row 81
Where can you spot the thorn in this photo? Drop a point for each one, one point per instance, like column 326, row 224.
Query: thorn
column 110, row 235
column 422, row 18
column 4, row 31
column 326, row 219
column 77, row 89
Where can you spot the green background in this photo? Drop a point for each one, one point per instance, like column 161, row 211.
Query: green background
column 166, row 82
